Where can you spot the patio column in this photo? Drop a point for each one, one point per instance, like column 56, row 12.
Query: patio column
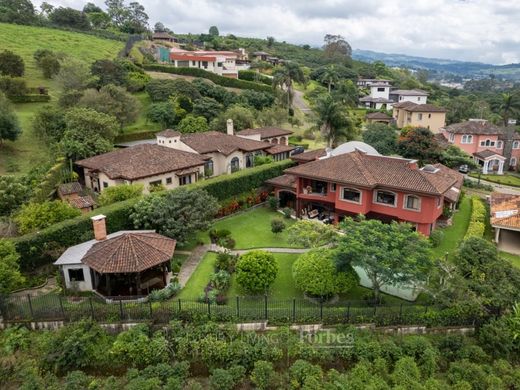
column 485, row 167
column 109, row 290
column 497, row 234
column 500, row 167
column 138, row 282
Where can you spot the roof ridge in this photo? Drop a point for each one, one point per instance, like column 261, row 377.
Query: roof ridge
column 356, row 156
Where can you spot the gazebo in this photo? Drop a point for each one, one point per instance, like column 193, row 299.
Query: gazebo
column 125, row 263
column 490, row 161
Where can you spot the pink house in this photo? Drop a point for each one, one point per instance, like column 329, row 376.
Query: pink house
column 386, row 188
column 494, row 148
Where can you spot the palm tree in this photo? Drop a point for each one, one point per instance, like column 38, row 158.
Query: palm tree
column 509, row 105
column 330, row 76
column 284, row 76
column 332, row 120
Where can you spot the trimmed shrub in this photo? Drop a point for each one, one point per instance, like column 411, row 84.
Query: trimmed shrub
column 477, row 225
column 251, row 75
column 220, row 80
column 256, row 271
column 226, row 262
column 277, row 225
column 166, row 293
column 436, row 237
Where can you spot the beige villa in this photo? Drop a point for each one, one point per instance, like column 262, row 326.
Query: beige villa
column 419, row 115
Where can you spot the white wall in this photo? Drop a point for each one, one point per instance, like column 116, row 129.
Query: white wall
column 413, row 99
column 374, row 93
column 81, row 286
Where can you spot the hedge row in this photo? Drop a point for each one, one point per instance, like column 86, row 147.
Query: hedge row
column 220, row 80
column 251, row 75
column 45, row 246
column 477, row 220
column 34, row 98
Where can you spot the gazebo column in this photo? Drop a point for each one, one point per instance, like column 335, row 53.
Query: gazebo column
column 497, row 234
column 500, row 167
column 485, row 167
column 138, row 282
column 164, row 273
column 109, row 290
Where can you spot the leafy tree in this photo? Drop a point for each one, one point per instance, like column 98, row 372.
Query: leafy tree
column 389, row 253
column 162, row 90
column 11, row 64
column 336, row 47
column 9, row 125
column 131, row 19
column 112, row 100
column 301, row 372
column 10, row 276
column 69, row 17
column 50, row 65
column 213, row 31
column 78, row 145
column 311, row 234
column 243, row 118
column 13, row 86
column 461, row 108
column 332, row 120
column 382, row 137
column 193, row 124
column 453, row 156
column 418, row 143
column 177, row 214
column 17, row 12
column 119, row 193
column 256, row 270
column 49, row 123
column 109, row 72
column 406, row 374
column 13, row 193
column 91, row 8
column 330, row 76
column 159, row 27
column 99, row 20
column 207, row 107
column 74, row 75
column 508, row 106
column 163, row 113
column 270, row 41
column 257, row 100
column 35, row 216
column 315, row 273
column 263, row 375
column 226, row 379
column 284, row 76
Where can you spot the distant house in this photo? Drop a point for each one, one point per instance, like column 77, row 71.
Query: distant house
column 163, row 36
column 378, row 117
column 260, row 55
column 274, row 135
column 505, row 219
column 493, row 147
column 419, row 115
column 118, row 265
column 409, row 95
column 354, row 179
column 365, row 82
column 379, row 97
column 145, row 164
column 311, row 155
column 73, row 194
column 222, row 63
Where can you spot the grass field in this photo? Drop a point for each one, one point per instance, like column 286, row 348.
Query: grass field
column 506, row 179
column 142, row 124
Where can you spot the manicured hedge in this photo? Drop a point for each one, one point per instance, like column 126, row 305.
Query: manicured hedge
column 220, row 80
column 45, row 246
column 251, row 75
column 477, row 220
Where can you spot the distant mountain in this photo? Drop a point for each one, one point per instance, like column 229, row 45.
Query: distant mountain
column 439, row 65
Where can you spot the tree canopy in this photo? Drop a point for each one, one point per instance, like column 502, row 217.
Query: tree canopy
column 256, row 270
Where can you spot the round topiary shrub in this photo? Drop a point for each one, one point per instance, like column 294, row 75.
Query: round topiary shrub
column 315, row 274
column 256, row 271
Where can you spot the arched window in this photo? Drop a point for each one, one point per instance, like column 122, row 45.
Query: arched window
column 208, row 168
column 235, row 164
column 274, row 141
column 512, row 162
column 499, row 144
column 412, row 202
column 516, row 145
column 283, row 141
column 467, row 139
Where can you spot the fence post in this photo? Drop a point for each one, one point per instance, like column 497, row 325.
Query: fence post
column 265, row 307
column 294, row 310
column 179, row 302
column 30, row 305
column 121, row 309
column 209, row 308
column 238, row 306
column 91, row 307
column 61, row 307
column 321, row 310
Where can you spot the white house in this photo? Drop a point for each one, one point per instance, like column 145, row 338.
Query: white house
column 379, row 97
column 222, row 63
column 416, row 96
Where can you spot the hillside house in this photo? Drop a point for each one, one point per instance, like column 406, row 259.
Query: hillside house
column 505, row 219
column 493, row 147
column 416, row 96
column 354, row 179
column 222, row 63
column 419, row 115
column 379, row 97
column 73, row 194
column 378, row 117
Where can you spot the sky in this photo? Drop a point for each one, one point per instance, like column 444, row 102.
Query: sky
column 469, row 30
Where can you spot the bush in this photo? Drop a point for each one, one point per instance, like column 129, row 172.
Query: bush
column 119, row 193
column 263, row 375
column 34, row 216
column 220, row 80
column 277, row 225
column 251, row 75
column 436, row 237
column 166, row 293
column 11, row 64
column 215, row 234
column 477, row 225
column 30, row 99
column 226, row 242
column 13, row 86
column 226, row 262
column 273, row 202
column 220, row 280
column 256, row 271
column 287, row 212
column 228, row 379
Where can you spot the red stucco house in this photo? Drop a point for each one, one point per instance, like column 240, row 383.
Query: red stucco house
column 494, row 148
column 360, row 182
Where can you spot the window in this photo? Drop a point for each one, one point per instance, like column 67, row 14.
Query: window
column 499, row 144
column 235, row 164
column 487, row 143
column 332, row 187
column 418, row 98
column 208, row 168
column 429, row 115
column 155, row 183
column 385, row 197
column 451, row 137
column 351, row 195
column 467, row 139
column 516, row 145
column 439, row 201
column 168, row 180
column 419, row 116
column 380, row 89
column 105, row 184
column 512, row 162
column 412, row 202
column 183, row 180
column 219, row 64
column 193, row 63
column 76, row 275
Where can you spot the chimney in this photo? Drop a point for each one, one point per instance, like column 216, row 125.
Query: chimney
column 229, row 127
column 100, row 229
column 413, row 164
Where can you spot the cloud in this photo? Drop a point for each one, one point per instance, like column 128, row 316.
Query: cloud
column 472, row 30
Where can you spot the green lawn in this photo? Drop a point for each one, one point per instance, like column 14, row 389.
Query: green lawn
column 142, row 123
column 514, row 259
column 252, row 229
column 454, row 234
column 199, row 279
column 506, row 179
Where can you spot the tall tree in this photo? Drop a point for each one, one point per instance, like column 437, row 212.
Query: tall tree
column 382, row 137
column 508, row 106
column 332, row 120
column 418, row 143
column 330, row 76
column 159, row 27
column 388, row 253
column 336, row 46
column 284, row 76
column 11, row 64
column 10, row 276
column 17, row 11
column 213, row 31
column 9, row 126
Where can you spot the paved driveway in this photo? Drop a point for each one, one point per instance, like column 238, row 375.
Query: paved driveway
column 509, row 241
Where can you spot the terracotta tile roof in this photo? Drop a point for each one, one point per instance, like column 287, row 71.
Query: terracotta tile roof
column 311, row 155
column 266, row 132
column 70, row 188
column 215, row 141
column 284, row 181
column 424, row 108
column 505, row 210
column 192, row 57
column 409, row 92
column 403, row 104
column 161, row 34
column 82, row 202
column 141, row 161
column 378, row 115
column 277, row 148
column 168, row 133
column 370, row 171
column 129, row 252
column 453, row 193
column 486, row 154
column 474, row 127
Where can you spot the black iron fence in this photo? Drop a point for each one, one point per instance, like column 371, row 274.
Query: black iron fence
column 239, row 309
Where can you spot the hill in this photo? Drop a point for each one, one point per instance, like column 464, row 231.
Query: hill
column 439, row 65
column 26, row 152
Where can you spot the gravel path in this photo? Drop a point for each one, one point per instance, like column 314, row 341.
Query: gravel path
column 49, row 287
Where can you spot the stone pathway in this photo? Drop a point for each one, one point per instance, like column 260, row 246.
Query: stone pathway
column 36, row 292
column 191, row 263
